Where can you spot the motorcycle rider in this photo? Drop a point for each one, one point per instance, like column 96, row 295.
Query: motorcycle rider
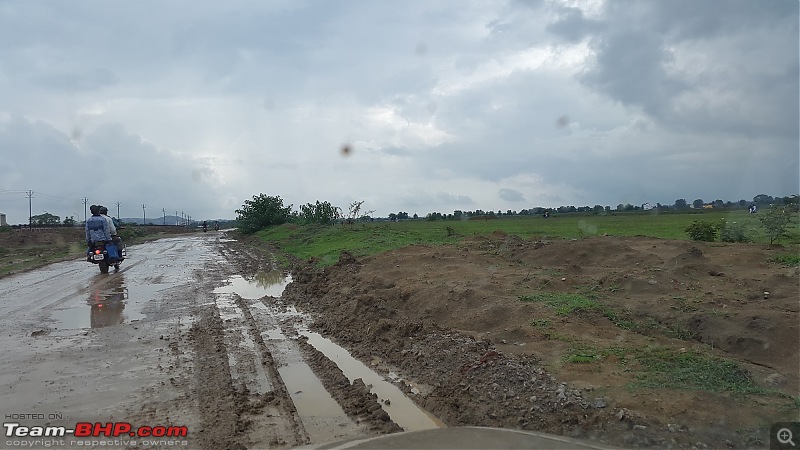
column 97, row 228
column 114, row 237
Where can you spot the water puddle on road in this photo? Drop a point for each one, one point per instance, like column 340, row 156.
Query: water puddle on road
column 313, row 403
column 400, row 408
column 109, row 301
column 270, row 283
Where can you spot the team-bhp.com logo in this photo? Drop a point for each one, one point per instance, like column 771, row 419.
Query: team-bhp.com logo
column 97, row 429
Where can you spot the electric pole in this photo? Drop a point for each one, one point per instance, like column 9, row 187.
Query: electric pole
column 176, row 217
column 144, row 215
column 30, row 210
column 118, row 216
column 164, row 210
column 85, row 202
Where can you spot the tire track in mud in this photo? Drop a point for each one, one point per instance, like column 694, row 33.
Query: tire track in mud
column 279, row 390
column 235, row 417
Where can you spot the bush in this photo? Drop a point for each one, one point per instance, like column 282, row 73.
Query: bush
column 5, row 229
column 322, row 213
column 701, row 230
column 733, row 232
column 262, row 211
column 777, row 221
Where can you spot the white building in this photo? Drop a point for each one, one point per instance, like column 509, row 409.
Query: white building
column 3, row 220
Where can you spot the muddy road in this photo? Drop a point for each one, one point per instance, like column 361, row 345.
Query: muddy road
column 189, row 333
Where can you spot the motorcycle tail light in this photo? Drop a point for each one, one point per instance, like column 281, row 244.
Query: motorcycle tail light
column 97, row 252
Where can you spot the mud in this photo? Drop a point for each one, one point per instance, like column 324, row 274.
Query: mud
column 188, row 333
column 451, row 320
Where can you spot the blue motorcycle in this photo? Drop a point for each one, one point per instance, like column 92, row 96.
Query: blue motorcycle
column 105, row 254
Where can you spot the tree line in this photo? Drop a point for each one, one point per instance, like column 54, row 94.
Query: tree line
column 264, row 210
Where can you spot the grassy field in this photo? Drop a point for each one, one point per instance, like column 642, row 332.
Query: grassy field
column 327, row 242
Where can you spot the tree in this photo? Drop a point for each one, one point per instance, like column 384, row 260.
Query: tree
column 776, row 220
column 763, row 199
column 354, row 211
column 681, row 203
column 261, row 212
column 698, row 204
column 322, row 213
column 69, row 221
column 45, row 219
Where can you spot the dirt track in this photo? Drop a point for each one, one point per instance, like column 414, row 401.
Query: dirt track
column 195, row 344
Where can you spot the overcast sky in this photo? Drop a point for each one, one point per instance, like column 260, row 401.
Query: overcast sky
column 198, row 105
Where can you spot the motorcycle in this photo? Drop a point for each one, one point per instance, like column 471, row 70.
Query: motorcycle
column 105, row 254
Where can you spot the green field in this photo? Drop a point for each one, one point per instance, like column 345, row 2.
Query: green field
column 327, row 242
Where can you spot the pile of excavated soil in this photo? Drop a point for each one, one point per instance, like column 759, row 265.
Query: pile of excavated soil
column 453, row 321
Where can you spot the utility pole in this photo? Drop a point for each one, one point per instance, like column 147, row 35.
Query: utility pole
column 144, row 215
column 176, row 217
column 30, row 210
column 85, row 202
column 183, row 221
column 164, row 210
column 118, row 216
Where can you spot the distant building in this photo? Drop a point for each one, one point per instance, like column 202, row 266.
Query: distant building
column 3, row 220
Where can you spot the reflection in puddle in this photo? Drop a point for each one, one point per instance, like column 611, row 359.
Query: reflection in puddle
column 270, row 283
column 400, row 408
column 107, row 300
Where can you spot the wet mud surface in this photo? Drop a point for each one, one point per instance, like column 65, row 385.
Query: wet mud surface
column 453, row 321
column 190, row 332
column 202, row 331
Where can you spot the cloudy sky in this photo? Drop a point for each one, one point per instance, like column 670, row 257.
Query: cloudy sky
column 198, row 105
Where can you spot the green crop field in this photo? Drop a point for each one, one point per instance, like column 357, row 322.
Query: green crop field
column 327, row 242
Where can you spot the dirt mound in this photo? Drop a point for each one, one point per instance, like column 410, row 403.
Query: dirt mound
column 550, row 335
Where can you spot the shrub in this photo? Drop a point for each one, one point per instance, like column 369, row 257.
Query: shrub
column 701, row 230
column 733, row 232
column 777, row 220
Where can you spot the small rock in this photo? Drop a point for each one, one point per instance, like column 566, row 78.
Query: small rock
column 600, row 403
column 639, row 427
column 775, row 380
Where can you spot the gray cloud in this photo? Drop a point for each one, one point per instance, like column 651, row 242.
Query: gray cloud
column 511, row 195
column 446, row 105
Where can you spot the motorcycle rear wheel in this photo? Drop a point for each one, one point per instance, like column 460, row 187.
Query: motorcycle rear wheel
column 103, row 266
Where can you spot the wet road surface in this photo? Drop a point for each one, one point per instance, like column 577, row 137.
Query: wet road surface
column 144, row 345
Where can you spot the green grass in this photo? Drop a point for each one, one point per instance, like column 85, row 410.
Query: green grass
column 786, row 259
column 665, row 367
column 327, row 242
column 566, row 304
column 672, row 368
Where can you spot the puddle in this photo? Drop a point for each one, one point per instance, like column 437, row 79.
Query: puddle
column 401, row 409
column 107, row 303
column 263, row 284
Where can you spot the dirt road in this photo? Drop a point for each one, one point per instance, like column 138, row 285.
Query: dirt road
column 177, row 338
